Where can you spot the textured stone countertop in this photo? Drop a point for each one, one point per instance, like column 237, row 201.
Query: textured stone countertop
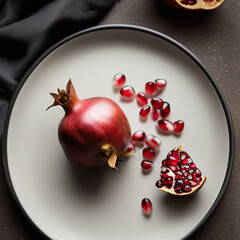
column 214, row 37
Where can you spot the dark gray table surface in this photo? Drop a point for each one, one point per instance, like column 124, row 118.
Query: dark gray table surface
column 214, row 37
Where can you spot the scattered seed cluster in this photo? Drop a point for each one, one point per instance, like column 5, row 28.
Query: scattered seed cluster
column 160, row 110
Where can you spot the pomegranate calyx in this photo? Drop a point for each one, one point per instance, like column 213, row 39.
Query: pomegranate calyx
column 63, row 97
column 109, row 154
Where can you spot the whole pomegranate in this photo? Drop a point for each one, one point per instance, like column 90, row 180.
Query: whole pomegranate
column 179, row 174
column 94, row 131
column 194, row 4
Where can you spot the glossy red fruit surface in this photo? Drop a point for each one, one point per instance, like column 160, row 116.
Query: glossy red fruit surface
column 149, row 153
column 179, row 175
column 152, row 141
column 165, row 125
column 94, row 131
column 178, row 126
column 165, row 111
column 119, row 80
column 139, row 136
column 147, row 164
column 146, row 206
column 157, row 103
column 127, row 92
column 141, row 99
column 150, row 88
column 161, row 83
column 145, row 110
column 155, row 114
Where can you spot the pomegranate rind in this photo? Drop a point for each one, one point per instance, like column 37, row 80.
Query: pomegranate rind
column 200, row 5
column 194, row 189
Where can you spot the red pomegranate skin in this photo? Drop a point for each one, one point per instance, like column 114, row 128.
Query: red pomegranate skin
column 89, row 125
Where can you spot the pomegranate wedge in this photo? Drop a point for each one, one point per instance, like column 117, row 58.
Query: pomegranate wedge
column 179, row 175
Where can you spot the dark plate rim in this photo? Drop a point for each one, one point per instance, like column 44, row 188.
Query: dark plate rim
column 147, row 31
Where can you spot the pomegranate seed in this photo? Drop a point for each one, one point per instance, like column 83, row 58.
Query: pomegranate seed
column 119, row 80
column 131, row 146
column 165, row 125
column 152, row 141
column 157, row 103
column 150, row 88
column 147, row 206
column 127, row 91
column 178, row 126
column 155, row 114
column 149, row 153
column 144, row 111
column 142, row 99
column 165, row 110
column 139, row 136
column 147, row 164
column 161, row 83
column 169, row 182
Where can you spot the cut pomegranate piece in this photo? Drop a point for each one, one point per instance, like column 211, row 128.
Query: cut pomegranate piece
column 155, row 114
column 165, row 109
column 142, row 99
column 139, row 136
column 152, row 141
column 161, row 83
column 145, row 110
column 119, row 80
column 127, row 92
column 157, row 103
column 179, row 175
column 165, row 125
column 178, row 126
column 194, row 4
column 150, row 88
column 149, row 153
column 147, row 206
column 147, row 164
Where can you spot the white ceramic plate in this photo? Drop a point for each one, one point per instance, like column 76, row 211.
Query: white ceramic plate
column 68, row 203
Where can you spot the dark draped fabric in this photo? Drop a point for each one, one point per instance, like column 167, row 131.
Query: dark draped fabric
column 29, row 27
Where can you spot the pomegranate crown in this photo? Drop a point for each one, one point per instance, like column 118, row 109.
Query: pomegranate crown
column 64, row 96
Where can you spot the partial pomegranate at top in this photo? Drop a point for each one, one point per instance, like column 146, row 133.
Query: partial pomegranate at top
column 93, row 131
column 179, row 174
column 194, row 4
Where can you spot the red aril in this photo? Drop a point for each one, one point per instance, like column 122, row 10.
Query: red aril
column 165, row 125
column 155, row 114
column 152, row 141
column 141, row 99
column 119, row 80
column 127, row 92
column 179, row 175
column 157, row 103
column 145, row 110
column 139, row 136
column 147, row 164
column 161, row 83
column 93, row 131
column 146, row 206
column 150, row 88
column 165, row 111
column 178, row 126
column 131, row 149
column 149, row 153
